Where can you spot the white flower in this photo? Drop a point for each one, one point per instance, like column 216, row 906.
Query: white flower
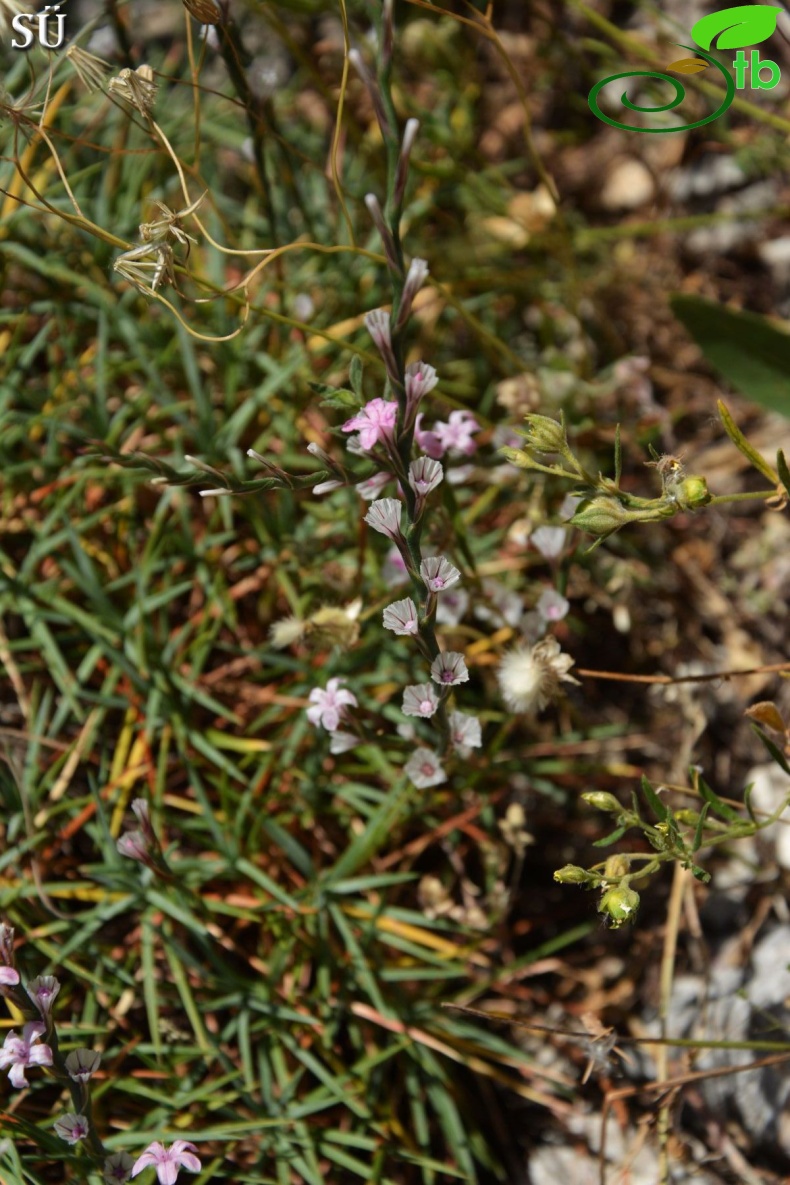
column 384, row 516
column 452, row 606
column 549, row 541
column 394, row 568
column 323, row 487
column 377, row 323
column 420, row 700
column 424, row 769
column 329, row 707
column 552, row 606
column 420, row 379
column 425, row 475
column 438, row 573
column 341, row 742
column 508, row 608
column 465, row 731
column 449, row 668
column 372, row 486
column 530, row 676
column 401, row 617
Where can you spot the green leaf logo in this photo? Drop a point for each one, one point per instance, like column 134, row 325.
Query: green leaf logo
column 748, row 24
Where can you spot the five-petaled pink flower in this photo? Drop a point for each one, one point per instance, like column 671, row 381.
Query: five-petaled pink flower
column 329, row 707
column 375, row 422
column 21, row 1052
column 167, row 1161
column 456, row 434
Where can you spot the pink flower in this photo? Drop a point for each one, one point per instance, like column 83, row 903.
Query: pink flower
column 329, row 707
column 456, row 434
column 21, row 1052
column 428, row 441
column 9, row 976
column 167, row 1161
column 375, row 422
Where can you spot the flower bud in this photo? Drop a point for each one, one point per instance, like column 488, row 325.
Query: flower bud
column 619, row 905
column 602, row 800
column 616, row 867
column 601, row 515
column 690, row 818
column 546, row 435
column 691, row 493
column 572, row 874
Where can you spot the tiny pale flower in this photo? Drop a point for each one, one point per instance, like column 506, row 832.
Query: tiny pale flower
column 425, row 475
column 530, row 676
column 452, row 606
column 375, row 422
column 133, row 844
column 465, row 731
column 327, row 487
column 394, row 568
column 449, row 669
column 552, row 606
column 329, row 707
column 427, row 440
column 167, row 1161
column 118, row 1168
column 438, row 573
column 420, row 700
column 82, row 1063
column 456, row 435
column 370, row 489
column 384, row 517
column 341, row 742
column 549, row 541
column 401, row 617
column 420, row 380
column 42, row 991
column 424, row 769
column 9, row 977
column 377, row 323
column 72, row 1128
column 18, row 1053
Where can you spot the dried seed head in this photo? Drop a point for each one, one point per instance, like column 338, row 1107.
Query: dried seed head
column 89, row 69
column 136, row 87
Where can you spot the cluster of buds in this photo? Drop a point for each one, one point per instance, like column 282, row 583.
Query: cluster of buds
column 605, row 506
column 618, row 903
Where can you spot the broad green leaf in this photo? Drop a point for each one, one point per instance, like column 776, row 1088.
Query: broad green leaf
column 746, row 24
column 747, row 350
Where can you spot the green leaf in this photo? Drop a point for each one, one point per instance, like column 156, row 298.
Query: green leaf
column 742, row 444
column 747, row 350
column 774, row 750
column 337, row 397
column 697, row 841
column 610, row 839
column 783, row 471
column 716, row 805
column 654, row 802
column 355, row 376
column 747, row 24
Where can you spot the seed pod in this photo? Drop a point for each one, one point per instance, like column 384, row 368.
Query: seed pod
column 602, row 800
column 619, row 905
column 572, row 874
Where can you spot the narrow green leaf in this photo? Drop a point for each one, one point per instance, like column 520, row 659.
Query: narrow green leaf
column 776, row 753
column 742, row 444
column 697, row 841
column 720, row 808
column 783, row 471
column 610, row 839
column 656, row 805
